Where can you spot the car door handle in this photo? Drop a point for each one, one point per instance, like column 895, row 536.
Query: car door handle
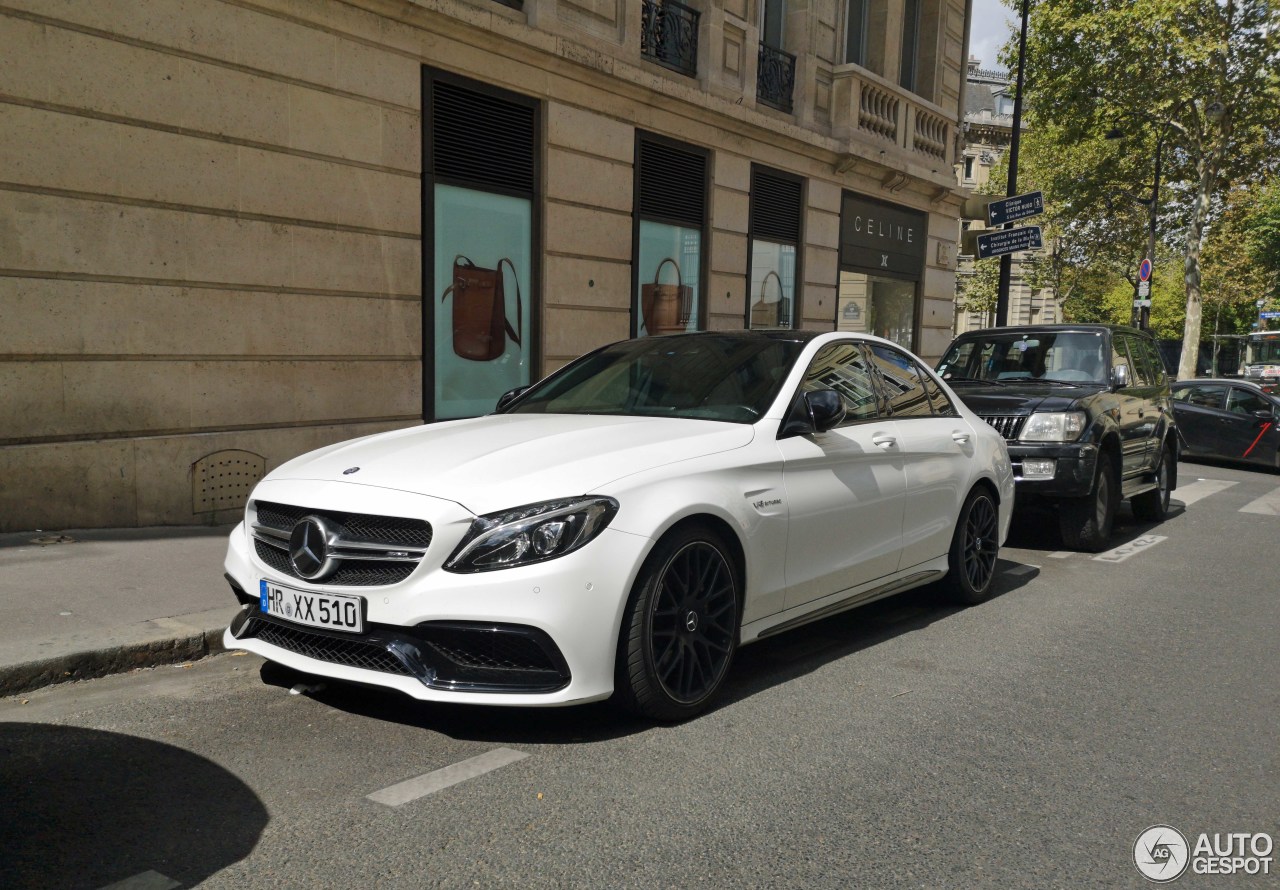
column 960, row 438
column 884, row 441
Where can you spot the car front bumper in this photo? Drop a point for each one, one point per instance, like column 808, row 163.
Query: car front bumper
column 1073, row 470
column 544, row 634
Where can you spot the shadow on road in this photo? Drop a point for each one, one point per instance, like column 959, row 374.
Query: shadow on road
column 84, row 808
column 756, row 668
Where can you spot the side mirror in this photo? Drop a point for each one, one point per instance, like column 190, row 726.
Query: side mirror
column 813, row 412
column 1120, row 376
column 1266, row 414
column 508, row 397
column 826, row 409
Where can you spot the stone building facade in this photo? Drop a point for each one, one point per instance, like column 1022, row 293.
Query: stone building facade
column 232, row 231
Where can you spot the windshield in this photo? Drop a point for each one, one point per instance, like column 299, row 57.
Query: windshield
column 1061, row 356
column 696, row 376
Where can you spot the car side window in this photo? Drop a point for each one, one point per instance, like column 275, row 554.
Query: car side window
column 845, row 368
column 902, row 382
column 1202, row 396
column 937, row 398
column 1243, row 401
column 1152, row 352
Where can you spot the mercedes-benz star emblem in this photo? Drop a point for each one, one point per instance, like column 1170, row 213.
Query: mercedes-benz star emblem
column 309, row 548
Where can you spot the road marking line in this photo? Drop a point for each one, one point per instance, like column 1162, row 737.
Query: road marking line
column 148, row 880
column 1189, row 494
column 1061, row 554
column 1023, row 570
column 429, row 783
column 1267, row 505
column 1137, row 545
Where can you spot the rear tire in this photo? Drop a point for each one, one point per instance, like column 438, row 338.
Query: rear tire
column 1086, row 522
column 680, row 630
column 1153, row 506
column 975, row 546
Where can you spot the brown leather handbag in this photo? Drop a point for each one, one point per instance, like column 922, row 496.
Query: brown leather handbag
column 666, row 307
column 768, row 315
column 480, row 326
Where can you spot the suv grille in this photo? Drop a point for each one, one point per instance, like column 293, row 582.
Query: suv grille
column 1007, row 425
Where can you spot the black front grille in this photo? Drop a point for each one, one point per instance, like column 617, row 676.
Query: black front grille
column 488, row 650
column 353, row 573
column 356, row 653
column 350, row 526
column 1007, row 425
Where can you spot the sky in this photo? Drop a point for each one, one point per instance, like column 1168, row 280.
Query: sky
column 993, row 22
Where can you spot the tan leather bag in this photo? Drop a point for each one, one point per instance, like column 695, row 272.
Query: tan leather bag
column 480, row 326
column 666, row 307
column 768, row 315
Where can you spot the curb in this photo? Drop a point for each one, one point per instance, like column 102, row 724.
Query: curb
column 180, row 644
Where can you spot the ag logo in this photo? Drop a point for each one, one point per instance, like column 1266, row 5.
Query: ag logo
column 1161, row 854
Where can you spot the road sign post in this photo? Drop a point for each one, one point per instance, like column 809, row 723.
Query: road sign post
column 1004, row 241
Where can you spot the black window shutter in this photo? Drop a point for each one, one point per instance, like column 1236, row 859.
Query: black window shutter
column 673, row 183
column 481, row 139
column 776, row 203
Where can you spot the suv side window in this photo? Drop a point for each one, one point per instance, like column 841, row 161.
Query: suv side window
column 1156, row 363
column 902, row 382
column 1140, row 370
column 845, row 368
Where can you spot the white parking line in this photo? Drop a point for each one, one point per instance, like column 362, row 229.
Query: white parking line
column 1022, row 570
column 1137, row 545
column 429, row 783
column 148, row 880
column 1267, row 505
column 1061, row 554
column 1199, row 490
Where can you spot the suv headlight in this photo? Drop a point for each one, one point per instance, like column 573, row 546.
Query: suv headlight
column 532, row 533
column 1059, row 426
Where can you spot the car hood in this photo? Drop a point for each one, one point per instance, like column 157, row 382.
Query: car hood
column 987, row 399
column 507, row 460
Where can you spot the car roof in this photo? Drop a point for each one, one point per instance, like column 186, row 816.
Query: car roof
column 1055, row 328
column 1220, row 381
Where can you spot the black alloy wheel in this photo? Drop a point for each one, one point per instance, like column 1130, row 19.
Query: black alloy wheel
column 975, row 547
column 681, row 628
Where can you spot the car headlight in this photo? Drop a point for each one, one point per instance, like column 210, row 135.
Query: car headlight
column 1060, row 426
column 532, row 533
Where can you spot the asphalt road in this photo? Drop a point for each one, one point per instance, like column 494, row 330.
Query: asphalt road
column 1026, row 742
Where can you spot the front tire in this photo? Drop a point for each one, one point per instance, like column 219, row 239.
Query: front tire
column 1153, row 506
column 1086, row 522
column 975, row 546
column 680, row 631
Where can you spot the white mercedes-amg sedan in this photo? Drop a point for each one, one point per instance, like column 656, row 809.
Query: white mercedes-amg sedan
column 623, row 526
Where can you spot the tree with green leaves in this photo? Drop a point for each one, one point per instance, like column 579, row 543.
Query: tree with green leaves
column 1192, row 82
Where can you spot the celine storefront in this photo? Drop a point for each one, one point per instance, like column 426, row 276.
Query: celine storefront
column 882, row 262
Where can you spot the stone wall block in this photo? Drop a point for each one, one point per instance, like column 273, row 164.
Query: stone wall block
column 587, row 232
column 577, row 179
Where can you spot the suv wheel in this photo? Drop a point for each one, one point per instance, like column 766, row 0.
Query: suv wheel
column 1086, row 522
column 1153, row 506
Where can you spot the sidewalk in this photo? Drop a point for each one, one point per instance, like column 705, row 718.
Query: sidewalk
column 108, row 600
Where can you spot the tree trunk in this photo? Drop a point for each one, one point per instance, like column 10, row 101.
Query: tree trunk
column 1191, row 274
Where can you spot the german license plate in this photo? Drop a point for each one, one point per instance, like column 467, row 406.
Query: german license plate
column 328, row 610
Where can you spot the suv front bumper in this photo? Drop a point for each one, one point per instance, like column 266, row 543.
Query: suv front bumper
column 1074, row 466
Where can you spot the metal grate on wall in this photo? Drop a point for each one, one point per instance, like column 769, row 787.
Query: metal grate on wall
column 673, row 183
column 776, row 205
column 481, row 139
column 223, row 480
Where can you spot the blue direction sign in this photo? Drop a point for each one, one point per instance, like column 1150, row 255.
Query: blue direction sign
column 1009, row 241
column 1013, row 209
column 1269, row 315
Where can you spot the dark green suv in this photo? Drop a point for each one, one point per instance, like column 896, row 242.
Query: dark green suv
column 1087, row 414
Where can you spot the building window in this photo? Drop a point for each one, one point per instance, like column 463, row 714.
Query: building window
column 968, row 167
column 669, row 35
column 855, row 43
column 777, row 205
column 670, row 230
column 481, row 186
column 882, row 261
column 910, row 44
